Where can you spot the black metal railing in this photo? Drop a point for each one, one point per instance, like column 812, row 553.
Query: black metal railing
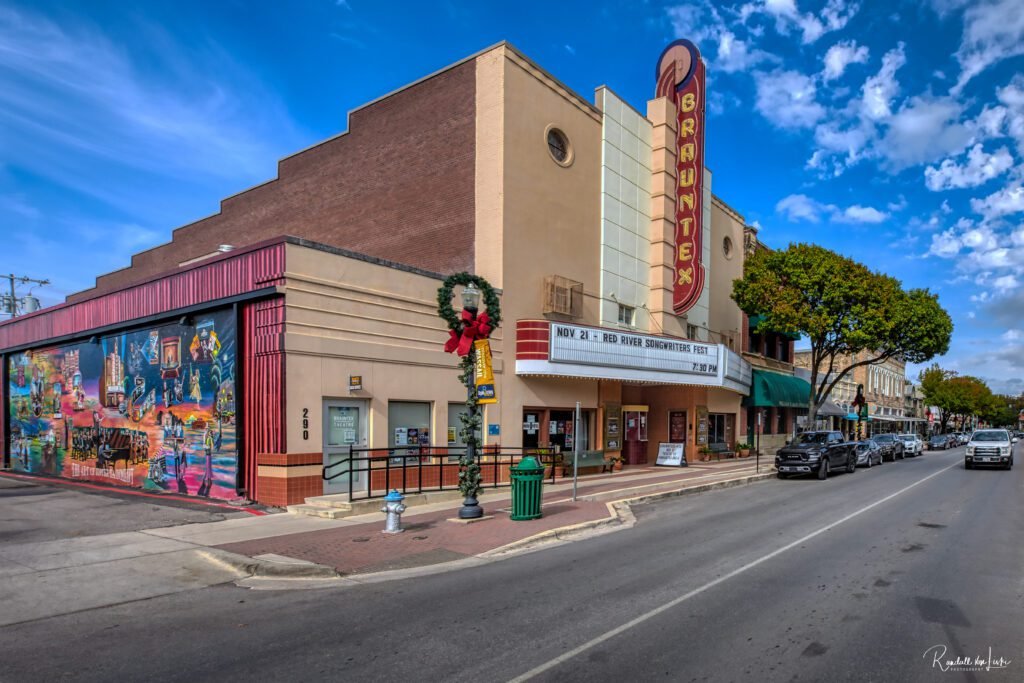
column 418, row 469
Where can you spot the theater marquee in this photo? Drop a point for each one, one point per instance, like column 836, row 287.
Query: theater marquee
column 680, row 77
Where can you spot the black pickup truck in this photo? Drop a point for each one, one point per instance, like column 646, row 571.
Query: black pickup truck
column 816, row 453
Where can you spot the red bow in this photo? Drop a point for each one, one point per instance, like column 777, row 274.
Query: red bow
column 472, row 328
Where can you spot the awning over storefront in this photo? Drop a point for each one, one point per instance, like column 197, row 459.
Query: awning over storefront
column 776, row 390
column 756, row 320
column 830, row 409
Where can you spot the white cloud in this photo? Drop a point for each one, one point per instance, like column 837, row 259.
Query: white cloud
column 978, row 170
column 898, row 205
column 832, row 17
column 735, row 55
column 1009, row 200
column 840, row 56
column 993, row 31
column 880, row 89
column 945, row 207
column 945, row 244
column 800, row 207
column 696, row 21
column 1012, row 335
column 1005, row 283
column 922, row 131
column 860, row 214
column 787, row 99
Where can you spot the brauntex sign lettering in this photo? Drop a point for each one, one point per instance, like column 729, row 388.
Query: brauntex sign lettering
column 592, row 346
column 681, row 78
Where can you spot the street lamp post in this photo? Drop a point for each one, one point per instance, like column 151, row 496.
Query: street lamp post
column 470, row 468
column 468, row 332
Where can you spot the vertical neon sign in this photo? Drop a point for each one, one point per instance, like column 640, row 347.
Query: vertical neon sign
column 680, row 76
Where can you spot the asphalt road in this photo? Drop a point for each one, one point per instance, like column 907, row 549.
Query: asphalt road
column 864, row 577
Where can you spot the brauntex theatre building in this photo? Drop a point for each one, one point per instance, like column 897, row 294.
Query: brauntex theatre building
column 262, row 341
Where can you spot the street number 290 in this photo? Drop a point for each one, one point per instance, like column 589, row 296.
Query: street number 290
column 305, row 424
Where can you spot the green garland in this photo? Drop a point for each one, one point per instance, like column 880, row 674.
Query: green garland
column 447, row 290
column 470, row 479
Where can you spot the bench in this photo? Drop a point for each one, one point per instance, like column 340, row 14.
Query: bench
column 719, row 449
column 587, row 459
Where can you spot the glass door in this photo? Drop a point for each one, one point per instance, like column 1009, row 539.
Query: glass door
column 345, row 428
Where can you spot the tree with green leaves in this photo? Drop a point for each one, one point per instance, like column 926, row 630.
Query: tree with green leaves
column 844, row 309
column 933, row 386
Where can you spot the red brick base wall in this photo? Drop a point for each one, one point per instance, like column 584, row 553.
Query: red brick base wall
column 288, row 478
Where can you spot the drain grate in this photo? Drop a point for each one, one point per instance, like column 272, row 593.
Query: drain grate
column 360, row 539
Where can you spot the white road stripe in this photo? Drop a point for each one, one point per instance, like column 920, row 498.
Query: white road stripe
column 566, row 656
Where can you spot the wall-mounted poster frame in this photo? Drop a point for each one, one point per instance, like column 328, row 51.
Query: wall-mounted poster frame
column 613, row 431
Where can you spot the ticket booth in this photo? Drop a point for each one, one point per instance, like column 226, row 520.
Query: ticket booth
column 634, row 447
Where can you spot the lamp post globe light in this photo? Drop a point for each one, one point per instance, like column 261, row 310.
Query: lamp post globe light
column 465, row 329
column 471, row 298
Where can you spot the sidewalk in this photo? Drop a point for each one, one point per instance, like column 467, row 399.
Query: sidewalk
column 356, row 546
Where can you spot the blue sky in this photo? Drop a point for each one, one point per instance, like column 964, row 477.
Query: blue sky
column 892, row 132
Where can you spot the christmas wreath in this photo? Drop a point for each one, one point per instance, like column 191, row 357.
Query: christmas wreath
column 464, row 328
column 453, row 317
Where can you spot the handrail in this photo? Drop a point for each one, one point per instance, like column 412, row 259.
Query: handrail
column 396, row 461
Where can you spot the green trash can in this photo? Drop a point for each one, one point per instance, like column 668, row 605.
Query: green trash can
column 527, row 482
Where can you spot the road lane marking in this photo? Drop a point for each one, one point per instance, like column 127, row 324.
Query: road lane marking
column 566, row 656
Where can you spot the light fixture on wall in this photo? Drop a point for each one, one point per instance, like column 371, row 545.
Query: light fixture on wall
column 94, row 339
column 186, row 321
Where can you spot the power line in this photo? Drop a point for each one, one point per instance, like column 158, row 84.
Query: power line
column 12, row 304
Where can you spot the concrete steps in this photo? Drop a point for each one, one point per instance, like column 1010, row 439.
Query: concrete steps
column 338, row 506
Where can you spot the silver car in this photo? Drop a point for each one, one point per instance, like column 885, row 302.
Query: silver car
column 911, row 444
column 868, row 453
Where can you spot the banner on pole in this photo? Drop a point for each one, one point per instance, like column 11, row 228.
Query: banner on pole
column 484, row 372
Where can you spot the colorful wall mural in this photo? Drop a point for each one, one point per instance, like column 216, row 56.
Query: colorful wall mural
column 152, row 408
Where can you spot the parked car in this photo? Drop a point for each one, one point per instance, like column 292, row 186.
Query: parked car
column 868, row 453
column 892, row 448
column 816, row 453
column 938, row 442
column 990, row 448
column 911, row 444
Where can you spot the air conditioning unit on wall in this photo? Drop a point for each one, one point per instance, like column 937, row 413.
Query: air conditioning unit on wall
column 563, row 296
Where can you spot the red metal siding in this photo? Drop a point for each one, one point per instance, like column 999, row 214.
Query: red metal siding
column 263, row 384
column 233, row 274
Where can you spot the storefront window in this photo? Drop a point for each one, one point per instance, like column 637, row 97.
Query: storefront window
column 780, row 416
column 408, row 427
column 720, row 428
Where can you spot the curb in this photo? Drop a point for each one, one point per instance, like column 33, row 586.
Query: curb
column 254, row 567
column 620, row 515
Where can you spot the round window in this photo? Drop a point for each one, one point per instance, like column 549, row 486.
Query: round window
column 727, row 247
column 558, row 146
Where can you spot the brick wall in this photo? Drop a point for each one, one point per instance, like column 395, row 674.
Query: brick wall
column 399, row 185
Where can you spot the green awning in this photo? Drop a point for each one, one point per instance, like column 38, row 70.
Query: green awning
column 775, row 390
column 756, row 320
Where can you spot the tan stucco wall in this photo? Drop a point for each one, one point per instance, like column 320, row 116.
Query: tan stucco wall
column 345, row 317
column 549, row 214
column 726, row 320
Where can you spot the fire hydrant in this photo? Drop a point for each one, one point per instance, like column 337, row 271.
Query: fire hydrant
column 394, row 508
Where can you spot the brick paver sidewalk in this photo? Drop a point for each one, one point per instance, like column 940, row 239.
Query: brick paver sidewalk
column 431, row 539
